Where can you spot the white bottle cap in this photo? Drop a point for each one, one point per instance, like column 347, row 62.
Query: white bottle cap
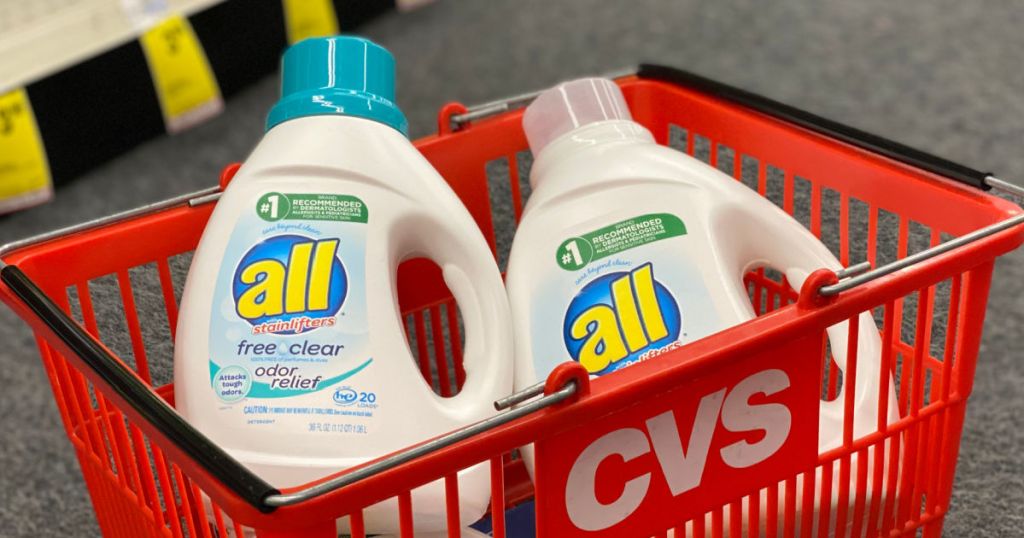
column 571, row 105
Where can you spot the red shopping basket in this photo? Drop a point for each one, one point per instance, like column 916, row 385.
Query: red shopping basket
column 617, row 456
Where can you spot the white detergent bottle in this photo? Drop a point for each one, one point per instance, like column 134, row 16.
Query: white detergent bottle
column 627, row 247
column 290, row 349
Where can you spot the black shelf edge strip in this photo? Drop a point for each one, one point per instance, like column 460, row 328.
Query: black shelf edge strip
column 98, row 109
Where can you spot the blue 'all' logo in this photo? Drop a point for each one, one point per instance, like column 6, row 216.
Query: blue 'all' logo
column 616, row 318
column 290, row 284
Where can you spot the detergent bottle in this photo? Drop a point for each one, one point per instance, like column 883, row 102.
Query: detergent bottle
column 290, row 349
column 628, row 249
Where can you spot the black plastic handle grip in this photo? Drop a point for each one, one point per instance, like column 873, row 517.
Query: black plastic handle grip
column 855, row 137
column 147, row 403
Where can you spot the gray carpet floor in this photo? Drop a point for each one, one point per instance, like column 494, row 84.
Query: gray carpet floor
column 941, row 75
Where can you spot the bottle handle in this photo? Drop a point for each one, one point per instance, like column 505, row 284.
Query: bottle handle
column 773, row 238
column 470, row 273
column 866, row 391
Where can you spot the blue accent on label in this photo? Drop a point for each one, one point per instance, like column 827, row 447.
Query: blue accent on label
column 619, row 318
column 345, row 396
column 290, row 284
column 231, row 384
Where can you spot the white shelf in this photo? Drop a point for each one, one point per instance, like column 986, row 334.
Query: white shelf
column 42, row 37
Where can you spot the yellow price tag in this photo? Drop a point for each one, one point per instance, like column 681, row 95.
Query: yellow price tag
column 24, row 171
column 309, row 18
column 184, row 82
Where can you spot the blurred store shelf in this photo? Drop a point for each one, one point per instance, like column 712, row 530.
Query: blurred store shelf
column 83, row 81
column 41, row 37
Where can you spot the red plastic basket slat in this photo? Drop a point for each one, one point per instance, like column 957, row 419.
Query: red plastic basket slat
column 141, row 485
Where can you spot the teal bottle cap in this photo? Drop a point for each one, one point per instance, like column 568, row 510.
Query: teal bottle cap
column 343, row 75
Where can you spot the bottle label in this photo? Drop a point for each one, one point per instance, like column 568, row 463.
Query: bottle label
column 288, row 331
column 620, row 294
